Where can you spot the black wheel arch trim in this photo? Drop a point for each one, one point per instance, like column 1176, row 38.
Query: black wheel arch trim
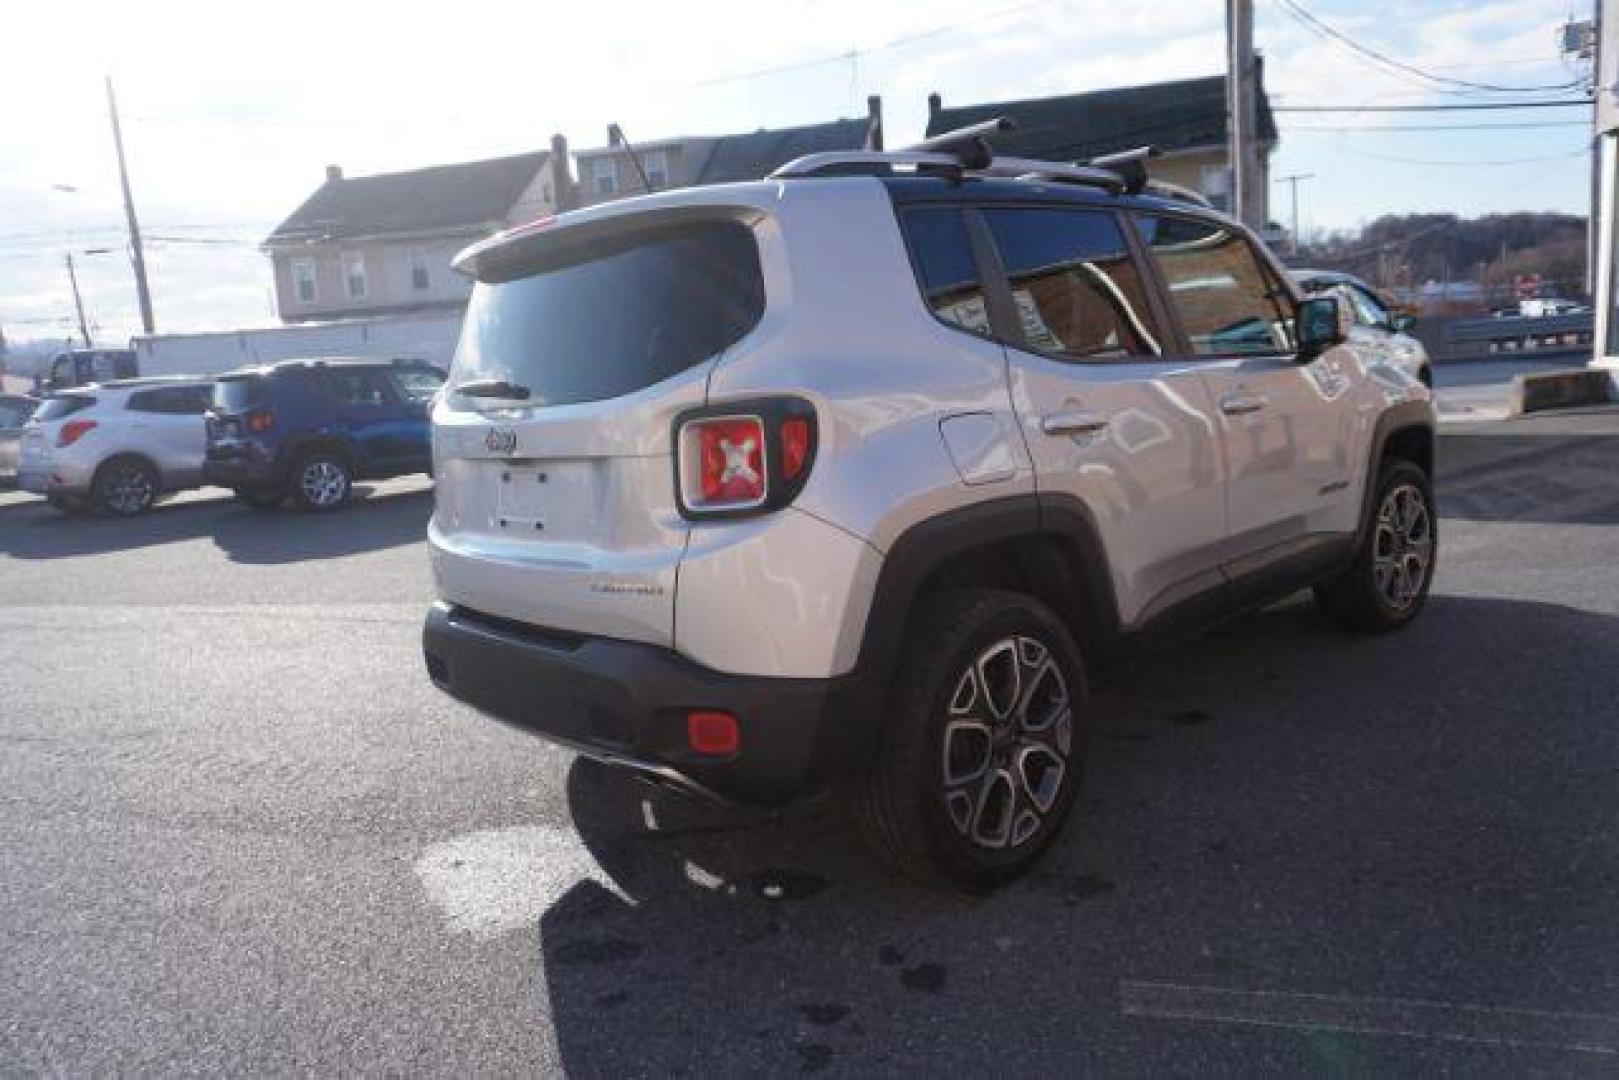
column 1406, row 416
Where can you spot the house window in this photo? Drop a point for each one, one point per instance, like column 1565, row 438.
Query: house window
column 418, row 269
column 354, row 274
column 656, row 165
column 1215, row 183
column 303, row 280
column 605, row 170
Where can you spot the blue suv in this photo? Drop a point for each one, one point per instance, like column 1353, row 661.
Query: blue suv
column 307, row 429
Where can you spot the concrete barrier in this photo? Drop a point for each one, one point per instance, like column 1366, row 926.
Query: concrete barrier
column 1542, row 390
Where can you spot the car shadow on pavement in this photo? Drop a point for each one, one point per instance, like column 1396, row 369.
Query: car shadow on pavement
column 372, row 521
column 1275, row 808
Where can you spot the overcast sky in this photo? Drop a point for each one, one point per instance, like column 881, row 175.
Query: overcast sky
column 231, row 110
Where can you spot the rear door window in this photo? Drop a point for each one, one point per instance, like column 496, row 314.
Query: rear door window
column 1078, row 292
column 632, row 312
column 1227, row 303
column 945, row 267
column 356, row 386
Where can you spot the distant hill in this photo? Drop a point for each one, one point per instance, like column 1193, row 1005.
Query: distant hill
column 1406, row 250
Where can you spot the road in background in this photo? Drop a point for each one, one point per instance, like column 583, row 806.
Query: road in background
column 243, row 834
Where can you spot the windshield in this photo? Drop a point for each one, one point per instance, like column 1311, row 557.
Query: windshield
column 617, row 322
column 234, row 395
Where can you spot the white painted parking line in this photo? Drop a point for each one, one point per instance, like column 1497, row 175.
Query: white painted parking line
column 1380, row 1016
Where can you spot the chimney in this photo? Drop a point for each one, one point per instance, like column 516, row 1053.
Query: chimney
column 874, row 122
column 561, row 174
column 935, row 103
column 334, row 172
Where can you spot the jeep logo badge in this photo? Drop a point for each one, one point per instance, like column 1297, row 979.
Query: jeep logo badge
column 501, row 440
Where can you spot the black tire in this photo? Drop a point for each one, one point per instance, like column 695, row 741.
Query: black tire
column 259, row 498
column 910, row 811
column 322, row 481
column 1376, row 594
column 124, row 487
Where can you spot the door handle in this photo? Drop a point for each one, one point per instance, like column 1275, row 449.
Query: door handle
column 1242, row 404
column 1079, row 422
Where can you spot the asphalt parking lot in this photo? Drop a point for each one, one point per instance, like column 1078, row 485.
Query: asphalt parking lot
column 243, row 834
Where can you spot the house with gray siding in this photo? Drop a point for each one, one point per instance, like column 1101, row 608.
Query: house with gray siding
column 382, row 244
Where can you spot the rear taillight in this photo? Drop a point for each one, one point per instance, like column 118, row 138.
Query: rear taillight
column 261, row 421
column 744, row 457
column 72, row 431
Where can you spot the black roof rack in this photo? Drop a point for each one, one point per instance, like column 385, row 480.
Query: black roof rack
column 967, row 152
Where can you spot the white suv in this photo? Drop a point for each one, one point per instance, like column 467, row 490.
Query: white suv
column 115, row 447
column 862, row 472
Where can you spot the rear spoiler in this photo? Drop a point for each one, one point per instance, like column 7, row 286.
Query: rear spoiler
column 555, row 241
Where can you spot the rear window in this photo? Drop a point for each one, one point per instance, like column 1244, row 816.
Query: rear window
column 63, row 405
column 631, row 315
column 234, row 395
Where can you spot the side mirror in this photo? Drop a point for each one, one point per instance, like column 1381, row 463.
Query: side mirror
column 1322, row 321
column 1403, row 323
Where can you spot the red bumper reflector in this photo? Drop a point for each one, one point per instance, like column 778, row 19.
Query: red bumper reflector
column 712, row 732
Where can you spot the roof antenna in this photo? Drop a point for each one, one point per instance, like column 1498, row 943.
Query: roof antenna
column 615, row 137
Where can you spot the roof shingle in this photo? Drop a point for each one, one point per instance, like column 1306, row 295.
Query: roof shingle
column 754, row 155
column 470, row 195
column 1168, row 115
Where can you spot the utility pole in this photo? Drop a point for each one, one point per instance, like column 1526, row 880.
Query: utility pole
column 78, row 301
column 1242, row 116
column 136, row 254
column 1293, row 182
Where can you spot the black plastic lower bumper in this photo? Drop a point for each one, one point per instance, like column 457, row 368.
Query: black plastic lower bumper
column 626, row 703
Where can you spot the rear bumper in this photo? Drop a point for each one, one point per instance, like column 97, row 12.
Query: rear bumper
column 243, row 464
column 626, row 702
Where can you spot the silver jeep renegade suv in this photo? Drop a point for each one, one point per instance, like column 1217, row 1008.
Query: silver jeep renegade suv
column 863, row 472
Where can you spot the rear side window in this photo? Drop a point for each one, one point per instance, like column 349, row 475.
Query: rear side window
column 63, row 405
column 945, row 267
column 176, row 400
column 416, row 384
column 234, row 395
column 13, row 413
column 1077, row 290
column 1226, row 301
column 633, row 313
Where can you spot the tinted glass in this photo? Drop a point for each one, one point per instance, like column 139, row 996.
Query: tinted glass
column 1225, row 300
column 615, row 323
column 416, row 384
column 149, row 401
column 355, row 386
column 1077, row 290
column 62, row 405
column 1369, row 311
column 944, row 264
column 234, row 395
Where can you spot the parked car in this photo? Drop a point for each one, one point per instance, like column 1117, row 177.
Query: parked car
column 15, row 409
column 1382, row 333
column 81, row 367
column 116, row 447
column 861, row 475
column 308, row 429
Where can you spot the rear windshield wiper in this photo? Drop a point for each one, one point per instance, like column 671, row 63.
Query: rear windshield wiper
column 492, row 388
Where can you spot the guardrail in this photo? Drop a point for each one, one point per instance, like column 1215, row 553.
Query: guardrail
column 1517, row 335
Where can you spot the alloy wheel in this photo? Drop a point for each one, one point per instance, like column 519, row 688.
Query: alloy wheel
column 323, row 483
column 1403, row 553
column 129, row 490
column 1006, row 746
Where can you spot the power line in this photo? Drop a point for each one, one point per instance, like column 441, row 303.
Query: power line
column 1324, row 29
column 1581, row 152
column 1453, row 107
column 1510, row 125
